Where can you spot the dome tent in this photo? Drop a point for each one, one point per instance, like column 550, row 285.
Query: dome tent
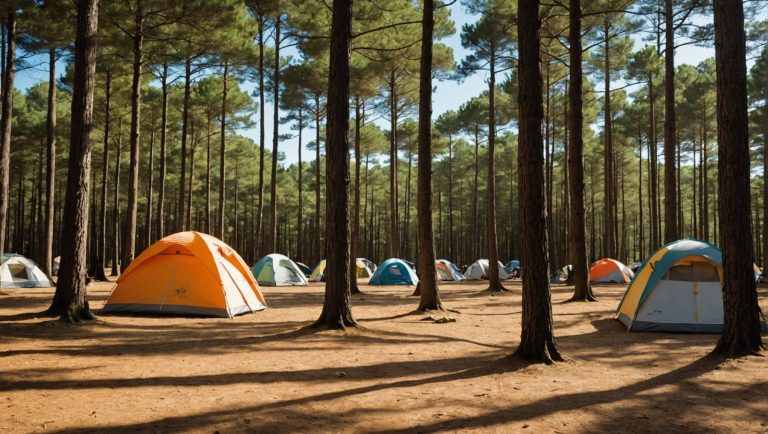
column 393, row 271
column 479, row 270
column 187, row 273
column 17, row 271
column 278, row 270
column 677, row 289
column 448, row 271
column 363, row 272
column 610, row 271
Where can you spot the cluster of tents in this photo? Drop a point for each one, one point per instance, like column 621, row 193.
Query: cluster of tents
column 677, row 289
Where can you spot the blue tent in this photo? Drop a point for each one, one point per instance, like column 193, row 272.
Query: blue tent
column 393, row 271
column 513, row 264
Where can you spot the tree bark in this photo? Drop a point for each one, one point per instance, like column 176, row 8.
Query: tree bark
column 494, row 281
column 741, row 328
column 609, row 239
column 5, row 124
column 222, row 155
column 670, row 134
column 394, row 240
column 336, row 307
column 427, row 286
column 50, row 163
column 582, row 290
column 272, row 235
column 70, row 300
column 116, row 203
column 163, row 138
column 105, row 172
column 258, row 248
column 354, row 288
column 300, row 251
column 133, row 183
column 180, row 217
column 537, row 339
column 150, row 187
column 318, row 245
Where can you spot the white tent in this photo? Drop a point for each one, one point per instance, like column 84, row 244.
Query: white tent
column 479, row 270
column 278, row 270
column 16, row 271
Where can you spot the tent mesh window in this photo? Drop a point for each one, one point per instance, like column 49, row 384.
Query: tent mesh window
column 693, row 272
column 18, row 271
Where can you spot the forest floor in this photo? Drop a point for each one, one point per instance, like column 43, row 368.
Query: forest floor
column 265, row 373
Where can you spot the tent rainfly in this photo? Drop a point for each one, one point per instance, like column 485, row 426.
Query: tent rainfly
column 479, row 270
column 448, row 271
column 610, row 271
column 17, row 271
column 278, row 270
column 394, row 271
column 318, row 274
column 677, row 289
column 187, row 273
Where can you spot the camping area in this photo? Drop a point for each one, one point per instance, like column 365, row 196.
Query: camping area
column 264, row 373
column 370, row 216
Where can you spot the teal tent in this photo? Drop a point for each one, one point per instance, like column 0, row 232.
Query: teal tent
column 393, row 271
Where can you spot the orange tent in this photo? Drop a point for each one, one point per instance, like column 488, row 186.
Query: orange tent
column 188, row 273
column 610, row 271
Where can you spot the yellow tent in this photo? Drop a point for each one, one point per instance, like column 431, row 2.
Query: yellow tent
column 363, row 272
column 188, row 273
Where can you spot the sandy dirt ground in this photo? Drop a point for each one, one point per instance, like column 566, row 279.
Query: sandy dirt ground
column 264, row 373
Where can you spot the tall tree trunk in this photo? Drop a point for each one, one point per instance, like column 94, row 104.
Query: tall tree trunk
column 180, row 220
column 163, row 138
column 5, row 123
column 105, row 172
column 222, row 154
column 258, row 248
column 188, row 195
column 741, row 328
column 578, row 239
column 653, row 174
column 133, row 181
column 494, row 280
column 300, row 251
column 50, row 166
column 70, row 300
column 475, row 246
column 451, row 247
column 670, row 134
column 272, row 235
column 354, row 288
column 427, row 286
column 319, row 253
column 537, row 339
column 116, row 203
column 336, row 307
column 765, row 198
column 394, row 240
column 641, row 221
column 208, row 176
column 150, row 186
column 609, row 240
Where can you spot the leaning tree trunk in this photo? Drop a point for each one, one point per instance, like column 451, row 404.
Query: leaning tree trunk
column 129, row 250
column 494, row 280
column 741, row 328
column 50, row 163
column 5, row 123
column 578, row 238
column 336, row 308
column 537, row 339
column 70, row 300
column 670, row 135
column 427, row 286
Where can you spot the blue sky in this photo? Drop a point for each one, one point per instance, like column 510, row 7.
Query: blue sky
column 449, row 95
